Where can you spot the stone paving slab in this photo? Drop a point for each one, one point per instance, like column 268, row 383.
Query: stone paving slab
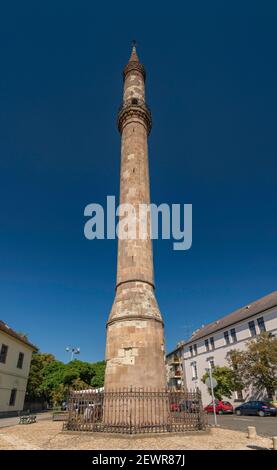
column 48, row 435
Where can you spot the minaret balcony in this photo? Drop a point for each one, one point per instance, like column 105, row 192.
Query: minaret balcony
column 134, row 65
column 134, row 107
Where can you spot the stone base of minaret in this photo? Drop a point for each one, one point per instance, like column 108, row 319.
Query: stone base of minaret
column 135, row 340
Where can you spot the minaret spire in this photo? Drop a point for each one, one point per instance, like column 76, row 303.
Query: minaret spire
column 134, row 55
column 134, row 63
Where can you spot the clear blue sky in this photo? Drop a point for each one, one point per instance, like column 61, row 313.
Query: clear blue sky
column 212, row 87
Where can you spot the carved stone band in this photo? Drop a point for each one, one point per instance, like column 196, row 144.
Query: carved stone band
column 133, row 65
column 134, row 109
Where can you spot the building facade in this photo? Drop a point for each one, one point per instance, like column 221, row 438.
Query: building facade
column 15, row 358
column 135, row 329
column 211, row 343
column 175, row 368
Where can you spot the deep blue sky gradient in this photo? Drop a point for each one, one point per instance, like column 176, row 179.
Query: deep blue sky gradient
column 212, row 87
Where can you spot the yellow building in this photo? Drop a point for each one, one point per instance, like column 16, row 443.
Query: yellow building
column 15, row 358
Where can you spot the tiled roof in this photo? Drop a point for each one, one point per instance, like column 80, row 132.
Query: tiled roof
column 178, row 348
column 9, row 331
column 253, row 308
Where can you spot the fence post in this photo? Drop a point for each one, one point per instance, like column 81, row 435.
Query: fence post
column 202, row 423
column 135, row 410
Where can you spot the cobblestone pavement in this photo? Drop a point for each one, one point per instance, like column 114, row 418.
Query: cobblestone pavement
column 47, row 435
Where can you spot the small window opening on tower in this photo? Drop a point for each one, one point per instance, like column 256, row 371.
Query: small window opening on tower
column 134, row 101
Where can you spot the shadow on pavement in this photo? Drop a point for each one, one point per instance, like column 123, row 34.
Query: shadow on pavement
column 253, row 447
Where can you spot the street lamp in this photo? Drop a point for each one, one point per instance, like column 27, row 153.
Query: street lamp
column 73, row 351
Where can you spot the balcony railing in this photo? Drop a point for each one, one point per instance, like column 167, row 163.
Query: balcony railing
column 174, row 360
column 131, row 107
column 176, row 373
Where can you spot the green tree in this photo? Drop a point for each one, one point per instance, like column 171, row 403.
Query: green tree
column 53, row 374
column 225, row 382
column 235, row 359
column 70, row 376
column 34, row 390
column 51, row 380
column 257, row 365
column 83, row 370
column 79, row 384
column 59, row 394
column 99, row 374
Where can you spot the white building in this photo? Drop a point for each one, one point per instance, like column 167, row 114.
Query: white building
column 15, row 358
column 211, row 343
column 174, row 367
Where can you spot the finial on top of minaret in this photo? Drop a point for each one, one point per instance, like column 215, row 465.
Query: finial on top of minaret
column 134, row 56
column 134, row 63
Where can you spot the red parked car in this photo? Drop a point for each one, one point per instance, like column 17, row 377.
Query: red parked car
column 221, row 407
column 188, row 406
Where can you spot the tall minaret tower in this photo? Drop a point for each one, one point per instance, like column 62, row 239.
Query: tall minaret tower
column 135, row 336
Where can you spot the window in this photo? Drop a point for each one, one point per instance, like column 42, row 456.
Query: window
column 13, row 397
column 207, row 345
column 195, row 349
column 239, row 395
column 194, row 371
column 212, row 342
column 191, row 351
column 211, row 361
column 261, row 324
column 226, row 337
column 134, row 101
column 252, row 328
column 3, row 353
column 233, row 335
column 20, row 360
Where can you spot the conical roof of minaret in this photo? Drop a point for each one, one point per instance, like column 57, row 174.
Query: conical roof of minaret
column 134, row 63
column 134, row 55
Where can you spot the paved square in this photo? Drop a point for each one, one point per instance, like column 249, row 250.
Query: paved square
column 48, row 435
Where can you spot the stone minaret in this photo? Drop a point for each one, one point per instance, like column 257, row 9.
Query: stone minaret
column 135, row 336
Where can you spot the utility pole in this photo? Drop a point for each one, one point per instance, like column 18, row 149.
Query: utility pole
column 211, row 382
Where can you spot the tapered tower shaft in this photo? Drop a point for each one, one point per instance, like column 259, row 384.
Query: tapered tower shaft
column 135, row 338
column 134, row 262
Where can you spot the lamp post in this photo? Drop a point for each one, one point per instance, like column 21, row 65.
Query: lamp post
column 73, row 351
column 211, row 383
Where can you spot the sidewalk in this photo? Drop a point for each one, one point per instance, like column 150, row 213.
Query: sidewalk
column 8, row 422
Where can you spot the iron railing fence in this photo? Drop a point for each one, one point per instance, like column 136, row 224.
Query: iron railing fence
column 133, row 411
